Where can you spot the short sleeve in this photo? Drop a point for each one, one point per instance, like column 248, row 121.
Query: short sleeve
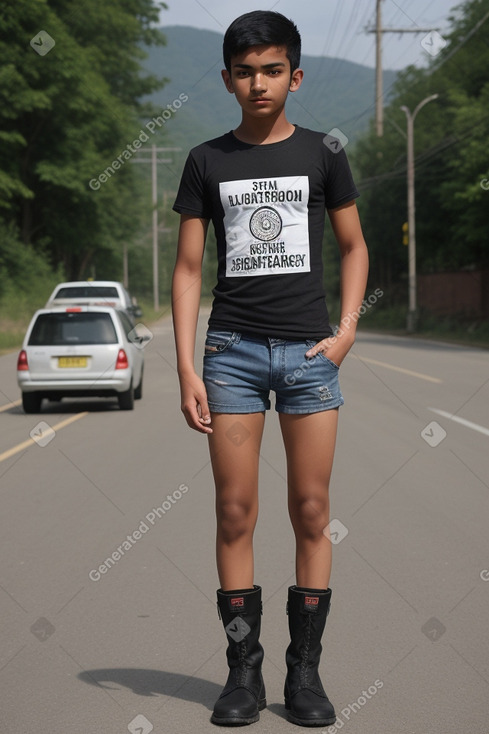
column 191, row 197
column 339, row 187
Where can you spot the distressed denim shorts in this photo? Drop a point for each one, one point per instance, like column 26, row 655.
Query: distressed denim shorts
column 240, row 370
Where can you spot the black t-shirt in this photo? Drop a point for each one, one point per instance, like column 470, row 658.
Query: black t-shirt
column 267, row 204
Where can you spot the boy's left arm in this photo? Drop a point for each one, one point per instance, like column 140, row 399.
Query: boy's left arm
column 353, row 281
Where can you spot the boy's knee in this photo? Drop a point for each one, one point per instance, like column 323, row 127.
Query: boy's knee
column 234, row 519
column 311, row 515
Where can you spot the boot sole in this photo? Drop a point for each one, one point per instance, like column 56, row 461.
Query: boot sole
column 239, row 721
column 307, row 722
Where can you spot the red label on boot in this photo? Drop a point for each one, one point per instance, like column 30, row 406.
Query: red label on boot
column 311, row 603
column 237, row 602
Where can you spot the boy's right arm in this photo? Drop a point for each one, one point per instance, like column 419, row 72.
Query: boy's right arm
column 186, row 287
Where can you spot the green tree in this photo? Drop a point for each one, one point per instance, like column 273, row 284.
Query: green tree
column 452, row 216
column 65, row 116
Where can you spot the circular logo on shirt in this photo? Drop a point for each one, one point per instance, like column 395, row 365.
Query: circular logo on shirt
column 265, row 224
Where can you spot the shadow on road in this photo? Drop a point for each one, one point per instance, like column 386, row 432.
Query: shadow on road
column 145, row 682
column 56, row 407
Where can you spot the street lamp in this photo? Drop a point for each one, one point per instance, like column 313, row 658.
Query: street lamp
column 411, row 317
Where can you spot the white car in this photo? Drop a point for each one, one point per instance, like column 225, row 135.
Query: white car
column 80, row 351
column 93, row 293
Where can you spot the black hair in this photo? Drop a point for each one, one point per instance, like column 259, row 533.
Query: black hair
column 260, row 28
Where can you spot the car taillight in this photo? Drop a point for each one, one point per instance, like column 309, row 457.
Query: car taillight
column 74, row 309
column 122, row 361
column 22, row 363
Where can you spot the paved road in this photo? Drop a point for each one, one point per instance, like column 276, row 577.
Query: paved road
column 91, row 647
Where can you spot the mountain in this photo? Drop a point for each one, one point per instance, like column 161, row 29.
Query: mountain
column 334, row 94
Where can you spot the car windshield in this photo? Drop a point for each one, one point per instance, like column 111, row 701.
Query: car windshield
column 57, row 329
column 87, row 291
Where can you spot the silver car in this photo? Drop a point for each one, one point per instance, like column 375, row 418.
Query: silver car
column 94, row 293
column 80, row 351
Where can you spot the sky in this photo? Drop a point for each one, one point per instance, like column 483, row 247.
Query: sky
column 333, row 28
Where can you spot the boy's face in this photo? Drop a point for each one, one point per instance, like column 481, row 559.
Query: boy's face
column 261, row 79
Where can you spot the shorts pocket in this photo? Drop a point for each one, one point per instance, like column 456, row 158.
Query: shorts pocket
column 217, row 342
column 311, row 343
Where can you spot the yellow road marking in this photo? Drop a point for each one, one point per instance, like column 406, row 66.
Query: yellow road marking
column 388, row 366
column 10, row 405
column 25, row 444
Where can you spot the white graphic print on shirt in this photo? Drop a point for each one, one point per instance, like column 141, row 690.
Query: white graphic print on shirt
column 266, row 224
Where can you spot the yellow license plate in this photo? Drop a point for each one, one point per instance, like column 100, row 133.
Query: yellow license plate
column 72, row 361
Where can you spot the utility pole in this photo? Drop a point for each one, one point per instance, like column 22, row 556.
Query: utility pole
column 154, row 160
column 125, row 266
column 411, row 317
column 379, row 92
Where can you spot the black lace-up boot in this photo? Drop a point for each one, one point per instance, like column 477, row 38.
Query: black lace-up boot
column 305, row 700
column 243, row 696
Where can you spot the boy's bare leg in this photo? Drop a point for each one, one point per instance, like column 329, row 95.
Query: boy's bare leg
column 234, row 448
column 309, row 443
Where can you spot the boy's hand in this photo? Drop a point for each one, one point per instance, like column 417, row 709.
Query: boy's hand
column 194, row 403
column 334, row 348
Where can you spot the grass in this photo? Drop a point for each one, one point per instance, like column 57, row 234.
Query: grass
column 454, row 329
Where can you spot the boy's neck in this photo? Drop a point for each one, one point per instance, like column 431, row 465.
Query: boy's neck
column 256, row 131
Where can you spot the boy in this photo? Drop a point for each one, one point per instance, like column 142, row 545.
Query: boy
column 265, row 186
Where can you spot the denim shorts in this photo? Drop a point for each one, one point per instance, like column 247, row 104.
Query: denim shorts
column 241, row 369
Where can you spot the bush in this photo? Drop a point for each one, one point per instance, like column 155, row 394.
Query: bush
column 26, row 281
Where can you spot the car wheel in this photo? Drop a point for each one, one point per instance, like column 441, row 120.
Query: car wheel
column 31, row 402
column 138, row 392
column 126, row 399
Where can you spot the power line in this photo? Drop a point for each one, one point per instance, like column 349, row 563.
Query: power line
column 379, row 30
column 462, row 42
column 424, row 157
